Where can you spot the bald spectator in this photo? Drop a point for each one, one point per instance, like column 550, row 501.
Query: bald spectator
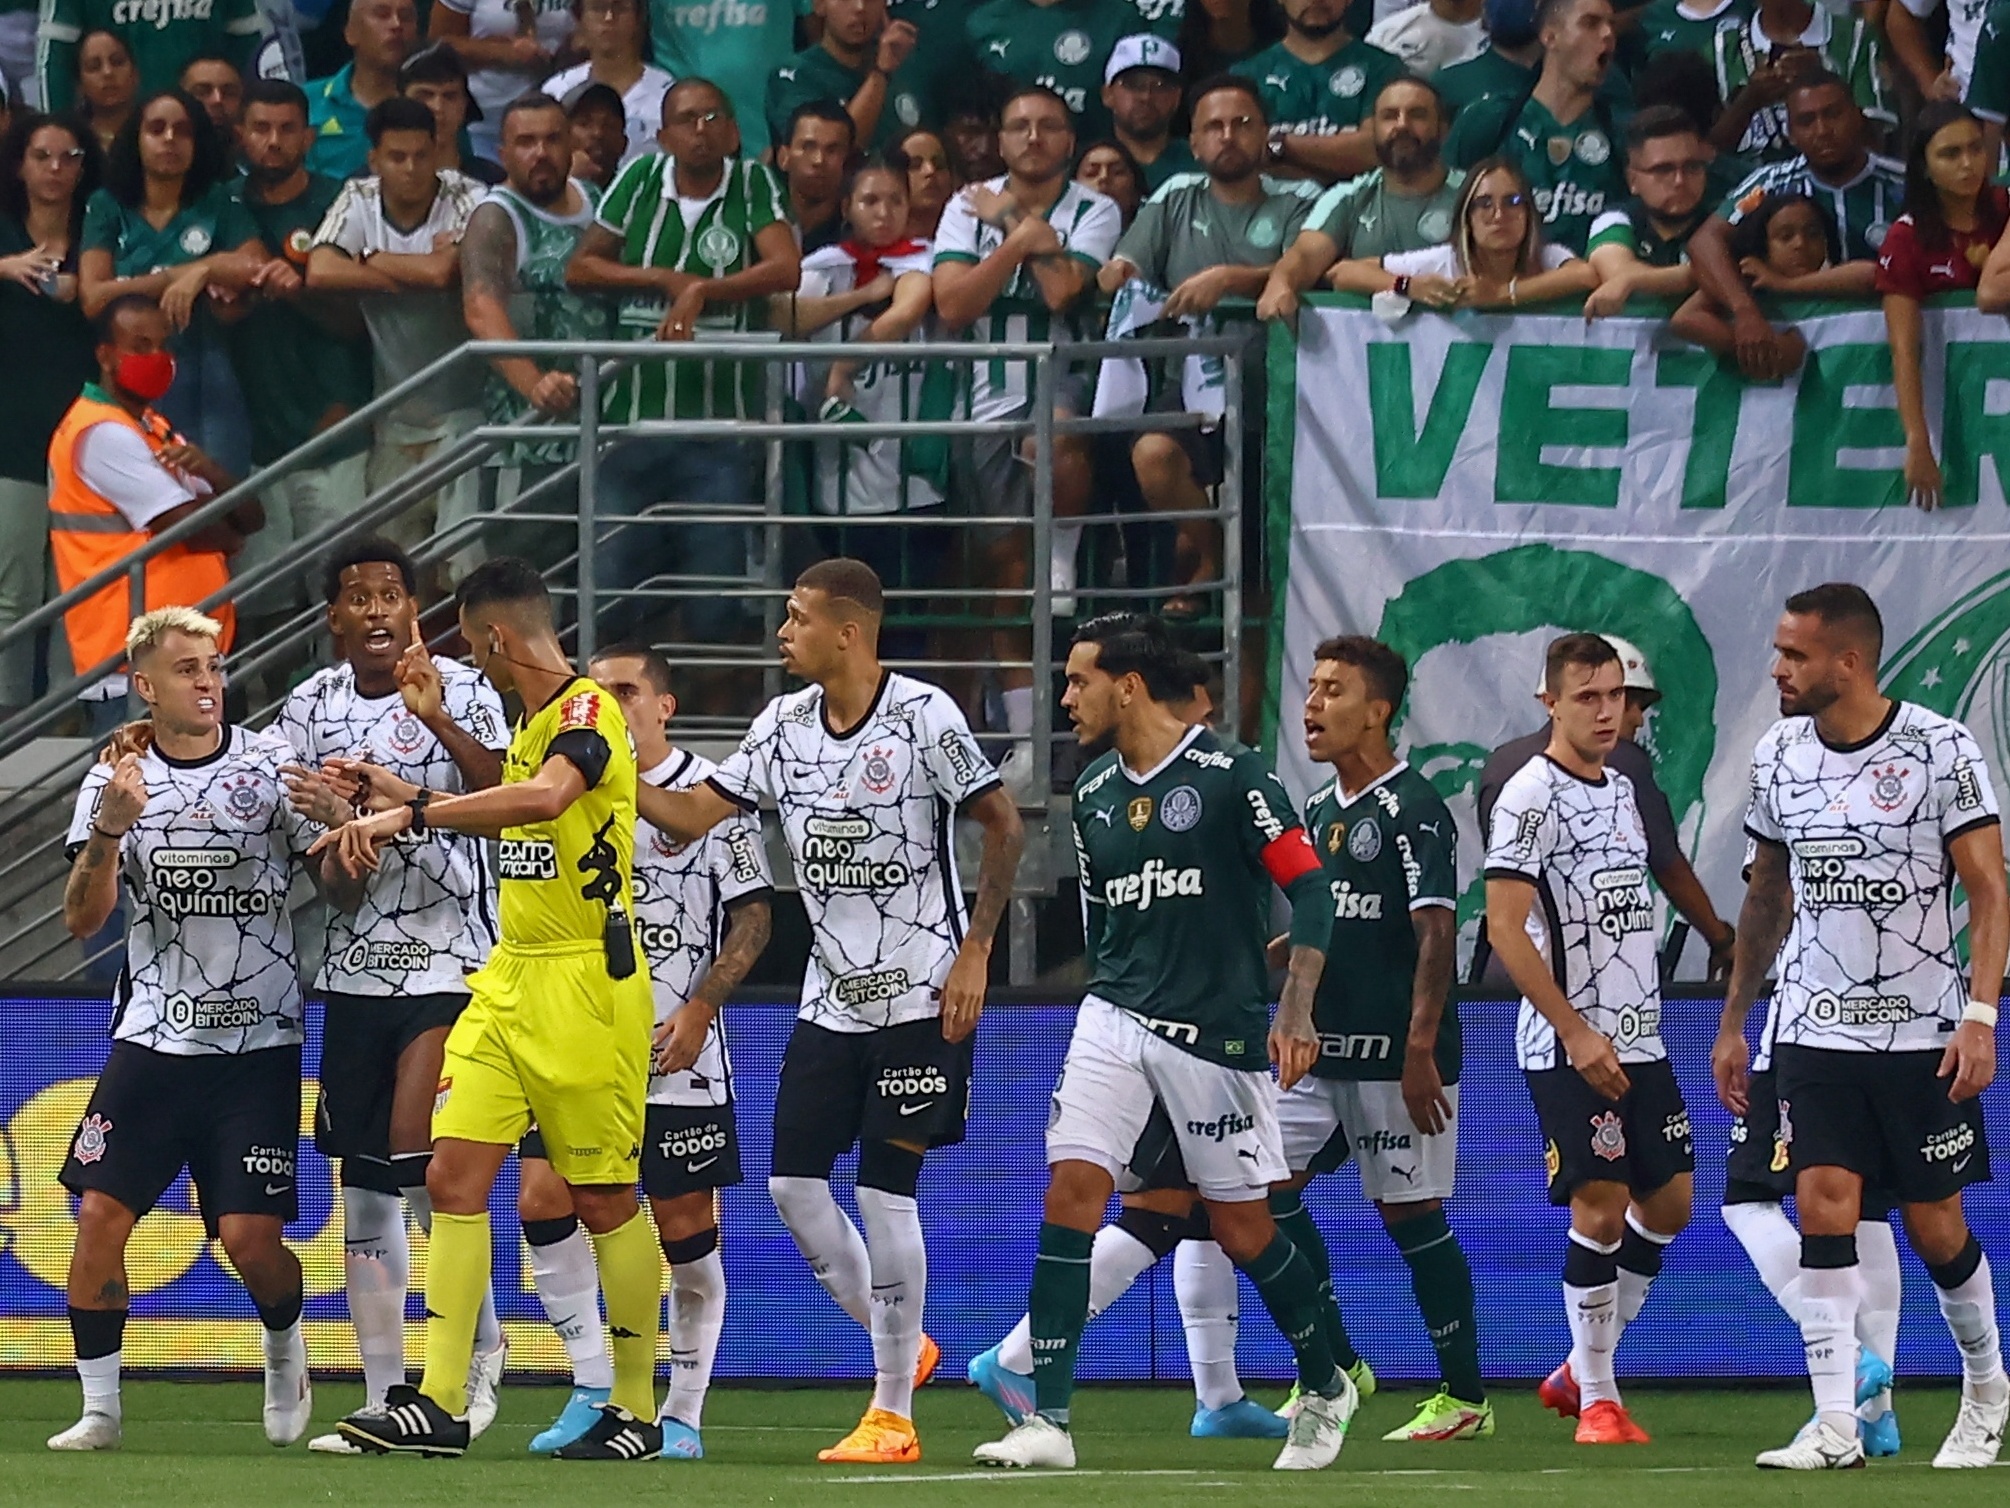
column 381, row 34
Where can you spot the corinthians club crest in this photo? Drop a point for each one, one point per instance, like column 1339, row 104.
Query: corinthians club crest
column 877, row 776
column 1887, row 787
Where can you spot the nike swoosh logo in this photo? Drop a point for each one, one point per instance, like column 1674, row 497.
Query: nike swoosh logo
column 916, row 1109
column 1957, row 1167
column 699, row 1167
column 274, row 1190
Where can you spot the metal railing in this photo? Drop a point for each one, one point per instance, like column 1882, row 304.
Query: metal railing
column 30, row 927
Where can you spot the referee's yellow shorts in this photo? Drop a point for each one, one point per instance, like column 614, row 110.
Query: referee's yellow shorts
column 548, row 1036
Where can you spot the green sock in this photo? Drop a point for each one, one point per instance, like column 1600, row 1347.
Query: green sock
column 1288, row 1210
column 1057, row 1311
column 1289, row 1289
column 1444, row 1288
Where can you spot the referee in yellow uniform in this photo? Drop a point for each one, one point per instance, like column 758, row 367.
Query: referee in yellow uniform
column 557, row 1029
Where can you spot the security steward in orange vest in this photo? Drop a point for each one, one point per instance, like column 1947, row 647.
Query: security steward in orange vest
column 118, row 474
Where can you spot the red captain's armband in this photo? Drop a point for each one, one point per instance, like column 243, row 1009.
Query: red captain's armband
column 1290, row 858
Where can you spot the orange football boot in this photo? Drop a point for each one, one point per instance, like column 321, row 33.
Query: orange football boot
column 881, row 1439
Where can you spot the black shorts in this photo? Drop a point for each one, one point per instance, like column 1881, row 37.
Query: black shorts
column 899, row 1084
column 362, row 1038
column 531, row 1144
column 1757, row 1170
column 1156, row 1163
column 1641, row 1140
column 689, row 1149
column 233, row 1120
column 1883, row 1115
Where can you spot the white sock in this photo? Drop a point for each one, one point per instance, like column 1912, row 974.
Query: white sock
column 1204, row 1283
column 1830, row 1297
column 897, row 1257
column 100, row 1377
column 376, row 1268
column 829, row 1242
column 1018, row 702
column 1067, row 538
column 1633, row 1285
column 1883, row 1291
column 286, row 1348
column 1970, row 1312
column 1774, row 1246
column 568, row 1285
column 488, row 1329
column 1594, row 1329
column 697, row 1314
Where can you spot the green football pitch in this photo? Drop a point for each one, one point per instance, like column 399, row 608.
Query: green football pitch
column 199, row 1444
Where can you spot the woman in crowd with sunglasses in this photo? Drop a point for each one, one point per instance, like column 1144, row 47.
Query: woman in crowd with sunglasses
column 1953, row 216
column 48, row 168
column 165, row 226
column 1496, row 259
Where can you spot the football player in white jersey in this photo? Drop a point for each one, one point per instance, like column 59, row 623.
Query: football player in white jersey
column 1566, row 832
column 868, row 768
column 399, row 943
column 1865, row 809
column 702, row 915
column 204, row 1071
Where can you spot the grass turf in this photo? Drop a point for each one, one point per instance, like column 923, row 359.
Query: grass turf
column 200, row 1443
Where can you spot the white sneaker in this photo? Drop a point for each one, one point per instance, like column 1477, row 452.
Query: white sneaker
column 334, row 1445
column 1978, row 1431
column 1061, row 576
column 289, row 1399
column 92, row 1432
column 1818, row 1447
column 1033, row 1442
column 485, row 1374
column 1318, row 1429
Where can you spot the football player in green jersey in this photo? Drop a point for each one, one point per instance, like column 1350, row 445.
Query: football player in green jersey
column 1179, row 843
column 1385, row 1090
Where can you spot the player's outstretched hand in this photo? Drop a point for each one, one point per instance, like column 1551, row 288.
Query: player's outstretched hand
column 1294, row 1048
column 963, row 992
column 1730, row 1066
column 371, row 787
column 124, row 798
column 312, row 794
column 1597, row 1060
column 356, row 844
column 680, row 1039
column 1970, row 1060
column 1424, row 1091
column 418, row 678
column 135, row 737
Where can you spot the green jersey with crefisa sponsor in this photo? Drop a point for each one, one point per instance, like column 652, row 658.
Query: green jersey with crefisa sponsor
column 1575, row 170
column 1177, row 865
column 1321, row 99
column 1389, row 850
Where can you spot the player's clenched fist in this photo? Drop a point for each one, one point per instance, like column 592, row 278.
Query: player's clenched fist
column 125, row 797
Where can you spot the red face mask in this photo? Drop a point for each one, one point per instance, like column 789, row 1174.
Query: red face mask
column 146, row 376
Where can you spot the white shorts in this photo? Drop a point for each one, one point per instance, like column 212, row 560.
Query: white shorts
column 1224, row 1118
column 1324, row 1121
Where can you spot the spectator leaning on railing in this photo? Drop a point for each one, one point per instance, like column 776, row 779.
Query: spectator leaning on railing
column 1860, row 193
column 616, row 38
column 1497, row 257
column 1953, row 216
column 165, row 226
column 1318, row 86
column 813, row 151
column 48, row 168
column 1784, row 238
column 1406, row 203
column 118, row 474
column 1141, row 90
column 1641, row 245
column 381, row 34
column 694, row 240
column 865, row 62
column 393, row 240
column 1560, row 134
column 1203, row 239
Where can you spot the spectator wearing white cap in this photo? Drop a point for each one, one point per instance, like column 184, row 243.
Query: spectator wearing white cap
column 1433, row 35
column 1141, row 90
column 1665, row 858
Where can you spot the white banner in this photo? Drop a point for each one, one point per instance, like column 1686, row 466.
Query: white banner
column 1467, row 488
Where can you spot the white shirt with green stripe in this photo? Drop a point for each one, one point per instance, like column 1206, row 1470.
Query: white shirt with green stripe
column 1848, row 48
column 709, row 238
column 1863, row 208
column 1087, row 224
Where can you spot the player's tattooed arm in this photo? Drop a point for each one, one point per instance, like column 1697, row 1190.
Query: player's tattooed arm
column 1977, row 855
column 1437, row 950
column 1004, row 842
column 1294, row 1040
column 680, row 1039
column 1763, row 921
column 1590, row 1051
column 93, row 888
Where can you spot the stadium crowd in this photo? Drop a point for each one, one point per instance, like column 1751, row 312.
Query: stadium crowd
column 224, row 234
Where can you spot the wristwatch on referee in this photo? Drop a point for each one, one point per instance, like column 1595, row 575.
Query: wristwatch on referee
column 418, row 805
